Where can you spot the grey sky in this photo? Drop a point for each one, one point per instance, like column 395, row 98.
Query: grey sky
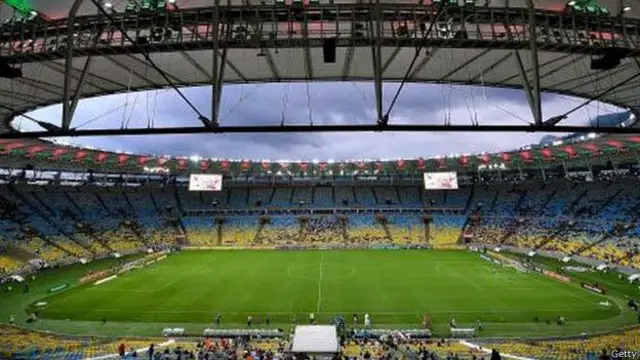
column 330, row 103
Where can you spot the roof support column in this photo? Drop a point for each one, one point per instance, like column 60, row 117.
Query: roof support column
column 308, row 64
column 528, row 92
column 79, row 86
column 376, row 49
column 536, row 106
column 217, row 66
column 67, row 113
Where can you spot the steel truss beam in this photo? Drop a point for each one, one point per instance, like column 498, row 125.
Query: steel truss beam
column 533, row 48
column 249, row 129
column 526, row 85
column 217, row 67
column 342, row 14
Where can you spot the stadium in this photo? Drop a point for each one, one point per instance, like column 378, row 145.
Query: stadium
column 175, row 225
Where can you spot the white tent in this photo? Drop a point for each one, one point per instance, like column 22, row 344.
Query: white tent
column 315, row 339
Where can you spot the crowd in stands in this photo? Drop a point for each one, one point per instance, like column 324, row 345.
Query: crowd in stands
column 596, row 219
column 23, row 344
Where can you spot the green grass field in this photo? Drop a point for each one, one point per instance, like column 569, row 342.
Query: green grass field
column 394, row 287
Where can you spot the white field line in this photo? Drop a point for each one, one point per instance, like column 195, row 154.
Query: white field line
column 320, row 283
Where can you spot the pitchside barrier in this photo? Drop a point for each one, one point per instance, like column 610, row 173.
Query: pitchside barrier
column 312, row 247
column 173, row 332
column 594, row 287
column 231, row 333
column 377, row 333
column 463, row 333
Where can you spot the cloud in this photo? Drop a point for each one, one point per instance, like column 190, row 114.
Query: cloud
column 320, row 103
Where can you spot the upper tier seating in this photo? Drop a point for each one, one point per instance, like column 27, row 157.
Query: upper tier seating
column 44, row 221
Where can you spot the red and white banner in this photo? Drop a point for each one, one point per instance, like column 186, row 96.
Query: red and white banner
column 440, row 180
column 555, row 275
column 205, row 182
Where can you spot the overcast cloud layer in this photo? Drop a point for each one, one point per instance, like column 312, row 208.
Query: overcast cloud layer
column 320, row 103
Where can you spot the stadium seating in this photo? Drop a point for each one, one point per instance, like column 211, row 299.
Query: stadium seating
column 24, row 344
column 588, row 347
column 43, row 221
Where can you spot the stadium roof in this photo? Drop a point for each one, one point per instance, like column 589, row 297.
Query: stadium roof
column 288, row 46
column 60, row 8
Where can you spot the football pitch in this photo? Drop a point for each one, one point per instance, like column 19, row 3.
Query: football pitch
column 396, row 287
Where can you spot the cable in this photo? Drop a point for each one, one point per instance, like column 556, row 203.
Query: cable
column 413, row 61
column 365, row 100
column 2, row 106
column 309, row 105
column 126, row 99
column 241, row 98
column 147, row 57
column 604, row 93
column 285, row 98
column 98, row 117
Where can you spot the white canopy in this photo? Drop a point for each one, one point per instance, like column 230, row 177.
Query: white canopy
column 315, row 339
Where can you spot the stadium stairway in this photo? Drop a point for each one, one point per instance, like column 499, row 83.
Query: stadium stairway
column 19, row 253
column 262, row 223
column 384, row 222
column 38, row 210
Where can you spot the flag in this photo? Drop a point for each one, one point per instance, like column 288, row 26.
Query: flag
column 547, row 154
column 143, row 160
column 56, row 153
column 526, row 156
column 204, row 165
column 224, row 165
column 101, row 157
column 80, row 155
column 246, row 164
column 33, row 150
column 570, row 151
column 122, row 159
